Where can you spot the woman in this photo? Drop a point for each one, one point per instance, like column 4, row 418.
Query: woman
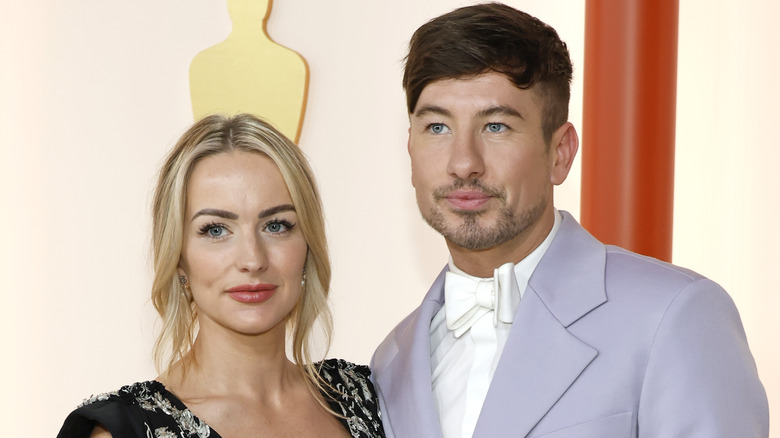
column 240, row 261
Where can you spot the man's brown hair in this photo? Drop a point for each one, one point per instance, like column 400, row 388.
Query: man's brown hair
column 492, row 37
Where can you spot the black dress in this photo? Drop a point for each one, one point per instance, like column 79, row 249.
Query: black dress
column 148, row 410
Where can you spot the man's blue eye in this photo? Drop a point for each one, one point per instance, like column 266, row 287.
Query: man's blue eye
column 437, row 128
column 495, row 127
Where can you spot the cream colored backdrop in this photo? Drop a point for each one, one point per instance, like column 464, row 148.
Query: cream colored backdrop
column 93, row 93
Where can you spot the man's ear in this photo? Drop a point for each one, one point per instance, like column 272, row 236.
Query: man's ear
column 565, row 143
column 409, row 141
column 409, row 149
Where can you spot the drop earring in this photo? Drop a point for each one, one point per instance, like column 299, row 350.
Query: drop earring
column 303, row 280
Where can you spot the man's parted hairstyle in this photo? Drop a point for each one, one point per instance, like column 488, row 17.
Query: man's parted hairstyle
column 492, row 37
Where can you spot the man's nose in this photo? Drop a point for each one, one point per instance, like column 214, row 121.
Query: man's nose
column 465, row 160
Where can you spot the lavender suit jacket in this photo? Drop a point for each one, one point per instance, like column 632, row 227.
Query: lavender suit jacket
column 606, row 343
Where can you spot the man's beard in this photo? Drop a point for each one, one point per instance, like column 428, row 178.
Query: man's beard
column 469, row 234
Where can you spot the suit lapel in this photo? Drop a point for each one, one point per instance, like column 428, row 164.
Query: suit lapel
column 405, row 381
column 541, row 358
column 570, row 276
column 539, row 363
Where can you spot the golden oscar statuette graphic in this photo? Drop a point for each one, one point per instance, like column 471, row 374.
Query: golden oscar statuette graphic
column 250, row 73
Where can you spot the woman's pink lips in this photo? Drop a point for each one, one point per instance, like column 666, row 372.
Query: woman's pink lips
column 467, row 200
column 252, row 293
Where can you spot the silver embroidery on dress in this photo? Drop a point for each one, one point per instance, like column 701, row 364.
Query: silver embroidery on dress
column 153, row 401
column 351, row 395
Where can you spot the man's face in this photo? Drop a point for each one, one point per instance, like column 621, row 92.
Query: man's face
column 482, row 170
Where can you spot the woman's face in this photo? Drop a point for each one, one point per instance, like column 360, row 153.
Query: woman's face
column 243, row 251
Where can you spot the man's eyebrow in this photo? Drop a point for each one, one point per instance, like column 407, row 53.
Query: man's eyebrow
column 215, row 212
column 273, row 210
column 500, row 109
column 432, row 109
column 487, row 112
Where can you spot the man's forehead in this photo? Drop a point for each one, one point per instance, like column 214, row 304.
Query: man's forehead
column 478, row 94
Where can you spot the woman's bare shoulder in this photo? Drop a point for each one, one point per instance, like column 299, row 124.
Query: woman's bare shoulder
column 100, row 432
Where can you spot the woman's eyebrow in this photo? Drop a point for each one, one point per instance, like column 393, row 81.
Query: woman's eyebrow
column 215, row 212
column 273, row 210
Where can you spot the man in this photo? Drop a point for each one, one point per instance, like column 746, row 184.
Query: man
column 535, row 328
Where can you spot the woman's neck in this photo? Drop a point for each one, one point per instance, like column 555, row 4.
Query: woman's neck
column 226, row 363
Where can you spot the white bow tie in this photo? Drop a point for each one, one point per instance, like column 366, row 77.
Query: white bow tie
column 466, row 299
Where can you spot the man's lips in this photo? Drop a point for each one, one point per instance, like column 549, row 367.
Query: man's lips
column 467, row 199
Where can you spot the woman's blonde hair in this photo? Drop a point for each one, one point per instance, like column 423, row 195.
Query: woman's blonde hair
column 218, row 134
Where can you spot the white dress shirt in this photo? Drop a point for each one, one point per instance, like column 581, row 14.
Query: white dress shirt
column 462, row 367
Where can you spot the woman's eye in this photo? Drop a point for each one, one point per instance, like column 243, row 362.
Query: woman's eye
column 214, row 231
column 496, row 127
column 438, row 128
column 278, row 227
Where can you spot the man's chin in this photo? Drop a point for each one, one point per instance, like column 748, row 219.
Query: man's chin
column 474, row 242
column 472, row 235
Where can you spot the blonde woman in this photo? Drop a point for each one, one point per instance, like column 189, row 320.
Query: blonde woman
column 241, row 268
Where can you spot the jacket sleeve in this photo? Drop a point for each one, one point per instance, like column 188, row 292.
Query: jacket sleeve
column 701, row 380
column 116, row 417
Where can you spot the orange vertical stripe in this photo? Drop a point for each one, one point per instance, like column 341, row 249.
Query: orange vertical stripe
column 630, row 82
